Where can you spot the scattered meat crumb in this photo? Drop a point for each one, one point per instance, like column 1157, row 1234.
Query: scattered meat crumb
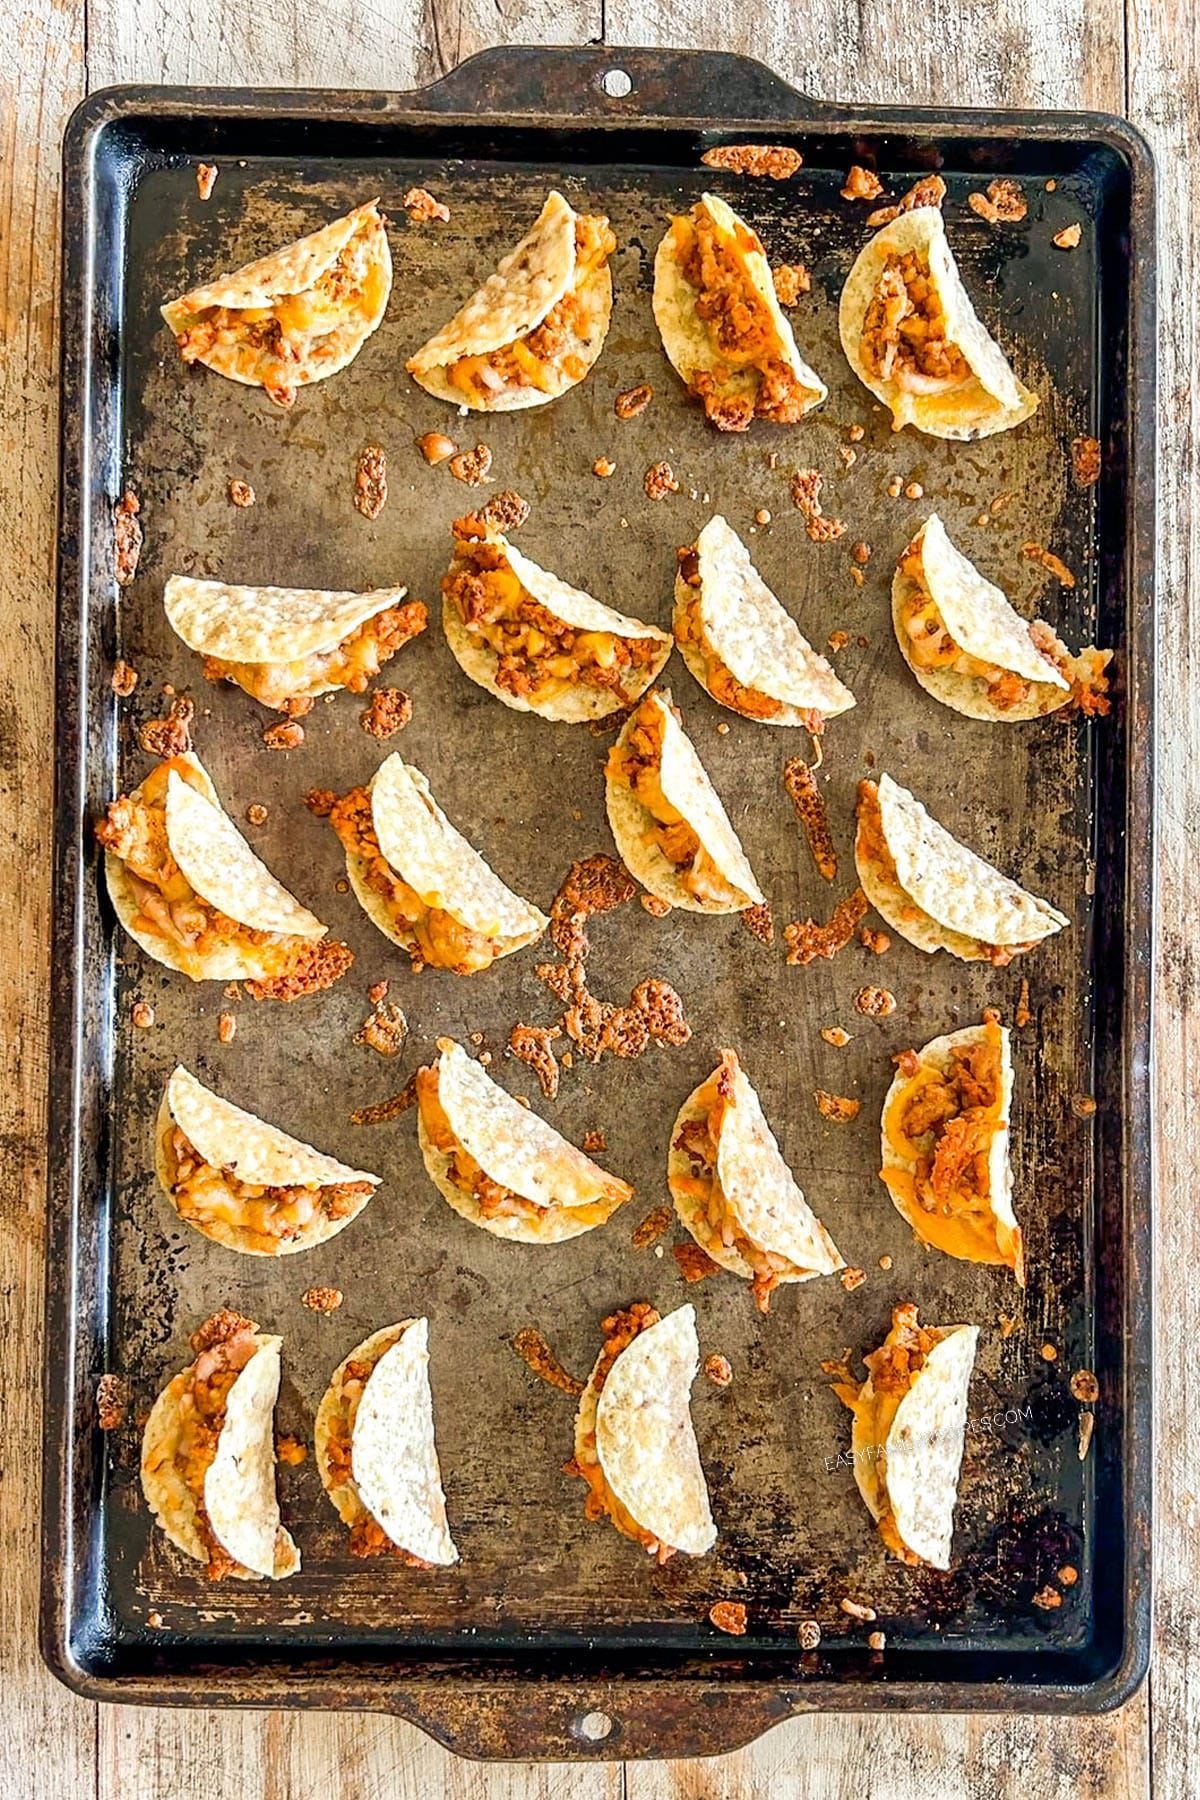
column 833, row 1034
column 534, row 1350
column 1068, row 1575
column 791, row 280
column 776, row 161
column 655, row 1225
column 595, row 1142
column 1047, row 1598
column 1083, row 1106
column 1023, row 1015
column 291, row 1451
column 232, row 991
column 759, row 921
column 423, row 209
column 240, row 492
column 861, row 184
column 288, row 735
column 1049, row 1353
column 806, row 498
column 885, row 1261
column 1085, row 1387
column 112, row 1401
column 722, row 728
column 370, row 481
column 226, row 1028
column 875, row 1002
column 124, row 679
column 384, row 1111
column 836, row 1107
column 127, row 537
column 633, row 401
column 807, row 940
column 1003, row 203
column 930, row 190
column 436, row 447
column 1087, row 1424
column 895, row 486
column 471, row 466
column 800, row 785
column 1007, row 1324
column 876, row 941
column 719, row 1370
column 914, row 491
column 855, row 1610
column 809, row 1634
column 378, row 991
column 876, row 1640
column 155, row 1621
column 604, row 466
column 838, row 640
column 322, row 1299
column 848, row 454
column 1068, row 238
column 852, row 1278
column 384, row 1030
column 729, row 1616
column 142, row 1014
column 657, row 908
column 694, row 1263
column 1038, row 553
column 320, row 802
column 762, row 516
column 1086, row 460
column 505, row 511
column 389, row 711
column 170, row 736
column 660, row 481
column 206, row 179
column 530, row 1044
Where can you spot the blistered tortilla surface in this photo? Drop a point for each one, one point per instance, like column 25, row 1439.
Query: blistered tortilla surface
column 239, row 1484
column 393, row 1455
column 222, row 868
column 261, row 1154
column 924, row 1450
column 267, row 624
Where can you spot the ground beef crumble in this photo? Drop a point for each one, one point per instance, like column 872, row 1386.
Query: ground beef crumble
column 1003, row 203
column 422, row 208
column 370, row 481
column 240, row 492
column 861, row 184
column 729, row 1616
column 287, row 735
column 324, row 964
column 389, row 711
column 1054, row 564
column 206, row 179
column 656, row 1224
column 776, row 161
column 660, row 481
column 633, row 401
column 170, row 736
column 533, row 1349
column 124, row 679
column 472, row 466
column 694, row 1263
column 930, row 190
column 384, row 1111
column 530, row 1044
column 1085, row 460
column 875, row 1002
column 806, row 940
column 759, row 921
column 718, row 1369
column 112, row 1402
column 806, row 498
column 436, row 447
column 322, row 1299
column 800, row 785
column 384, row 1030
column 791, row 280
column 127, row 537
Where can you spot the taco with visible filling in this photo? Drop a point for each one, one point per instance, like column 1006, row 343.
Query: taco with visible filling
column 911, row 334
column 969, row 647
column 722, row 325
column 498, row 1164
column 742, row 645
column 934, row 891
column 187, row 887
column 376, row 1453
column 245, row 1184
column 945, row 1145
column 535, row 327
column 536, row 643
column 909, row 1429
column 295, row 316
column 421, row 882
column 287, row 646
column 672, row 832
column 635, row 1445
column 734, row 1192
column 208, row 1454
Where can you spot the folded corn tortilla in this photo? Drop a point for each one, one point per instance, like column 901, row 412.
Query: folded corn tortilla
column 327, row 292
column 991, row 399
column 239, row 1483
column 395, row 1475
column 688, row 339
column 517, row 1150
column 644, row 1437
column 747, row 629
column 528, row 284
column 688, row 791
column 938, row 894
column 974, row 1228
column 438, row 863
column 236, row 1143
column 751, row 1177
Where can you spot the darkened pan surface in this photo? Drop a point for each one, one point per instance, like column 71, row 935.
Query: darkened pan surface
column 547, row 1617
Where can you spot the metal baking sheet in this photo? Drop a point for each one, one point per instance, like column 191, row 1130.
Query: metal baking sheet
column 548, row 1617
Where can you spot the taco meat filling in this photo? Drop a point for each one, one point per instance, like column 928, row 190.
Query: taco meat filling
column 265, row 1218
column 439, row 939
column 367, row 1536
column 698, row 1139
column 266, row 345
column 636, row 760
column 904, row 332
column 134, row 830
column 619, row 1332
column 931, row 647
column 548, row 356
column 945, row 1123
column 894, row 1367
column 539, row 657
column 871, row 848
column 740, row 325
column 718, row 678
column 291, row 687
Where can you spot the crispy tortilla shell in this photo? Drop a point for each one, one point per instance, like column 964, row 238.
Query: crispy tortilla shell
column 268, row 624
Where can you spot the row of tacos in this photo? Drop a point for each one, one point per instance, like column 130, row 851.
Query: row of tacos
column 536, row 326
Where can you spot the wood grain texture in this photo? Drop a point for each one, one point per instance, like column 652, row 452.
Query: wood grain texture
column 1025, row 52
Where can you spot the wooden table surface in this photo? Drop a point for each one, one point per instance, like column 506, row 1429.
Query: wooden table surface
column 1140, row 58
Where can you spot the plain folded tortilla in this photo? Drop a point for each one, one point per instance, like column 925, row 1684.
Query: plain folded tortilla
column 992, row 399
column 996, row 1238
column 227, row 1138
column 519, row 1151
column 268, row 624
column 221, row 867
column 445, row 870
column 291, row 270
column 686, row 338
column 914, row 1472
column 752, row 633
column 395, row 1473
column 527, row 285
column 943, row 896
column 573, row 607
column 645, row 1439
column 759, row 1188
column 687, row 788
column 239, row 1483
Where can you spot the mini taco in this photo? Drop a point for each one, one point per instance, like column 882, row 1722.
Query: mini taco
column 376, row 1453
column 421, row 882
column 934, row 891
column 244, row 1183
column 734, row 1192
column 287, row 646
column 536, row 643
column 535, row 327
column 970, row 649
column 910, row 1418
column 721, row 324
column 912, row 336
column 498, row 1164
column 187, row 887
column 295, row 316
column 945, row 1146
column 208, row 1454
column 742, row 645
column 671, row 831
column 635, row 1444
